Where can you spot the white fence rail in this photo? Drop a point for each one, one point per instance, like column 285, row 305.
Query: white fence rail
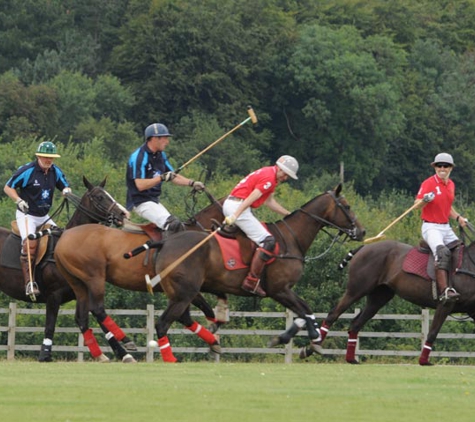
column 147, row 330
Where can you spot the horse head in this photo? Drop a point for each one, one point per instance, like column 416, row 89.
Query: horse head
column 97, row 206
column 333, row 210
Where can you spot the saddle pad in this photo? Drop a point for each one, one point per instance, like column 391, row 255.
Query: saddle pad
column 416, row 263
column 231, row 253
column 10, row 256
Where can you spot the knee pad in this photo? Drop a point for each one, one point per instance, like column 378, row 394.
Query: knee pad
column 268, row 246
column 443, row 257
column 173, row 224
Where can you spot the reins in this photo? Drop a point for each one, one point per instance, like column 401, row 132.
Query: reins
column 93, row 215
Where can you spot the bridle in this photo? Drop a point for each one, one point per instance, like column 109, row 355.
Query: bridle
column 351, row 232
column 102, row 214
column 348, row 232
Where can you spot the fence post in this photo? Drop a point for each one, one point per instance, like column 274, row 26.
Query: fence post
column 150, row 331
column 80, row 344
column 289, row 320
column 357, row 350
column 425, row 324
column 11, row 331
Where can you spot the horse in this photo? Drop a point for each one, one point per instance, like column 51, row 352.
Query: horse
column 204, row 269
column 91, row 255
column 377, row 273
column 95, row 206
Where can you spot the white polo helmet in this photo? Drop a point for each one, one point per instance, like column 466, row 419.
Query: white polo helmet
column 289, row 165
column 443, row 157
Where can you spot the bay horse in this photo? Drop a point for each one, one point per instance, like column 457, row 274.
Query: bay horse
column 376, row 272
column 91, row 255
column 95, row 206
column 205, row 271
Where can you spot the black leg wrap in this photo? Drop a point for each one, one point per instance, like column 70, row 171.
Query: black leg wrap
column 119, row 351
column 312, row 328
column 45, row 354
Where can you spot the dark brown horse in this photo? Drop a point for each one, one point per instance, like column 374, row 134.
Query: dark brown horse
column 91, row 255
column 95, row 206
column 205, row 271
column 376, row 272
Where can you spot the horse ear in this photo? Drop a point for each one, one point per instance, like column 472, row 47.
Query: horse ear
column 103, row 183
column 338, row 189
column 88, row 184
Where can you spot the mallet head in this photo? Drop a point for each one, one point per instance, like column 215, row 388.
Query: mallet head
column 252, row 115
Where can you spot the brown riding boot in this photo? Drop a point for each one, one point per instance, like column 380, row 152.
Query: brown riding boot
column 446, row 294
column 251, row 283
column 30, row 285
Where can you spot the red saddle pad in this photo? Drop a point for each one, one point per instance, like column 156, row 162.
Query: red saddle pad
column 416, row 263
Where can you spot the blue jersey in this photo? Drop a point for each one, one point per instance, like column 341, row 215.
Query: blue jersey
column 145, row 164
column 37, row 187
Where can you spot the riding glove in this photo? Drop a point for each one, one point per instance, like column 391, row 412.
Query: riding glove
column 230, row 220
column 428, row 197
column 198, row 186
column 22, row 205
column 66, row 191
column 168, row 176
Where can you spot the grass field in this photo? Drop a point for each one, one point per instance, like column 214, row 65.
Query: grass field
column 242, row 392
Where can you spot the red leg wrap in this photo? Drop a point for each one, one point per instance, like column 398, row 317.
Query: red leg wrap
column 324, row 330
column 166, row 350
column 424, row 358
column 110, row 324
column 351, row 346
column 91, row 342
column 202, row 333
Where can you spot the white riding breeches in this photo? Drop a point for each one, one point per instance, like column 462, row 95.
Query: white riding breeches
column 437, row 234
column 153, row 212
column 33, row 223
column 247, row 222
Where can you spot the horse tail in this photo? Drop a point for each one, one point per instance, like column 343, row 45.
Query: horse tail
column 348, row 257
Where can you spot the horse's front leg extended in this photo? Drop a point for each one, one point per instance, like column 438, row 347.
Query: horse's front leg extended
column 305, row 318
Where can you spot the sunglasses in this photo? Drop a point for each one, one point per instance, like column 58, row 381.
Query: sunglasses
column 443, row 165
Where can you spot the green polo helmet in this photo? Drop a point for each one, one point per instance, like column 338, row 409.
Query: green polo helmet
column 47, row 149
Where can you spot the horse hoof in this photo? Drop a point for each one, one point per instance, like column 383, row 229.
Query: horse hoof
column 215, row 348
column 305, row 353
column 130, row 346
column 353, row 362
column 426, row 363
column 275, row 341
column 316, row 348
column 128, row 359
column 102, row 359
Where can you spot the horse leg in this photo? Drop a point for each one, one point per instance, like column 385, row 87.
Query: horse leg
column 374, row 302
column 345, row 302
column 113, row 333
column 305, row 317
column 53, row 303
column 200, row 331
column 200, row 302
column 442, row 311
column 222, row 313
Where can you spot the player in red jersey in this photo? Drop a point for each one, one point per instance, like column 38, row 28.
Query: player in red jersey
column 254, row 190
column 436, row 196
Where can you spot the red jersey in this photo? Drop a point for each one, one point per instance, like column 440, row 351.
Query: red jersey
column 438, row 210
column 264, row 179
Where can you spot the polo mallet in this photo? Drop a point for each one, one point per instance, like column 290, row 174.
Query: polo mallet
column 32, row 294
column 252, row 117
column 381, row 235
column 151, row 283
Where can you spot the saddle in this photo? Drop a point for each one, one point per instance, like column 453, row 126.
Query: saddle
column 420, row 260
column 150, row 229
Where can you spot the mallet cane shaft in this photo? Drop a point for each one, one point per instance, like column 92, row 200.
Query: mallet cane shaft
column 28, row 254
column 252, row 117
column 151, row 283
column 381, row 236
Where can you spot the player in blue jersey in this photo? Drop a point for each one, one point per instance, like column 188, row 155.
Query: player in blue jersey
column 32, row 189
column 147, row 168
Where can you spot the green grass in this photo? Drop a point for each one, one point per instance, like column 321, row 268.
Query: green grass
column 242, row 392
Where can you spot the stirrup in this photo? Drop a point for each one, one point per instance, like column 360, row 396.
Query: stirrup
column 32, row 289
column 449, row 295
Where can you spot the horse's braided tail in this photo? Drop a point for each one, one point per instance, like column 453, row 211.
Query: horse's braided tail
column 348, row 257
